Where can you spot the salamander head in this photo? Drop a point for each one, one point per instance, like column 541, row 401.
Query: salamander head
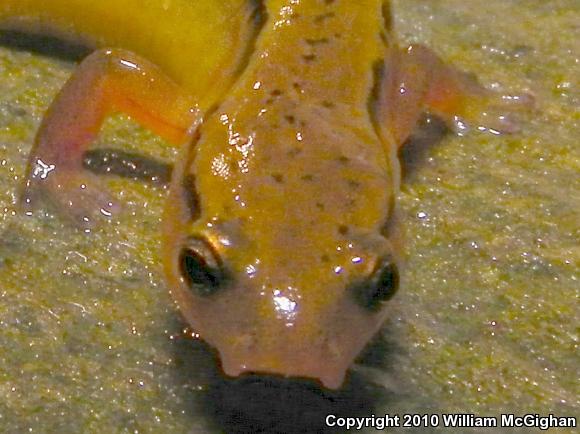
column 278, row 302
column 284, row 269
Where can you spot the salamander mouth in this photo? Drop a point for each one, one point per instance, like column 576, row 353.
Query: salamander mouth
column 317, row 365
column 329, row 378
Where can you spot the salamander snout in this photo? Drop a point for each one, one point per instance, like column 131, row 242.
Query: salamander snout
column 297, row 336
column 322, row 362
column 286, row 334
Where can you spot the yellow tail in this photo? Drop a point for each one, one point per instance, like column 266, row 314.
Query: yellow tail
column 198, row 43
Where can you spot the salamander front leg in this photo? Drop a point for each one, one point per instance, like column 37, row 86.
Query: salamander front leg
column 417, row 80
column 106, row 81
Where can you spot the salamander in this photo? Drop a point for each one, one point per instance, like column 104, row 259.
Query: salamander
column 289, row 114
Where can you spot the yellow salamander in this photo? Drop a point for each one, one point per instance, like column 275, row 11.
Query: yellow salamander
column 289, row 114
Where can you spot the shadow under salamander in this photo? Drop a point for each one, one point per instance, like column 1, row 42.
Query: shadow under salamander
column 426, row 135
column 51, row 46
column 271, row 404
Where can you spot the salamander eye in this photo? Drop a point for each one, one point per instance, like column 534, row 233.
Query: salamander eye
column 201, row 267
column 380, row 287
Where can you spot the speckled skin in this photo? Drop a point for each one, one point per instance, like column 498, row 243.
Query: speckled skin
column 296, row 188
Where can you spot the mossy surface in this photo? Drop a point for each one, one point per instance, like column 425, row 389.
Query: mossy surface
column 486, row 323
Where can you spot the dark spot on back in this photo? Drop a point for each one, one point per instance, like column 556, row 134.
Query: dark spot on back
column 294, row 151
column 325, row 258
column 353, row 183
column 343, row 230
column 316, row 41
column 307, row 177
column 323, row 17
column 344, row 160
column 309, row 57
column 320, row 206
column 291, row 119
column 279, row 178
column 276, row 92
column 328, row 104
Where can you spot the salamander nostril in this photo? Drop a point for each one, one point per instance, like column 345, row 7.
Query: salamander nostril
column 380, row 287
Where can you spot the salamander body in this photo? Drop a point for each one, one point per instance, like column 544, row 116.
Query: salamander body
column 289, row 114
